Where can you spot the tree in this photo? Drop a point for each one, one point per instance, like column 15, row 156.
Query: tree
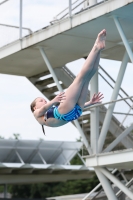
column 16, row 136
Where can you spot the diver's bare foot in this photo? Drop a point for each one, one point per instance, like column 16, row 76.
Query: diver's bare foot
column 100, row 41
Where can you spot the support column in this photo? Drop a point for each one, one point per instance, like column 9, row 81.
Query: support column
column 5, row 191
column 91, row 192
column 50, row 69
column 86, row 143
column 109, row 113
column 94, row 116
column 61, row 90
column 123, row 37
column 117, row 182
column 20, row 20
column 92, row 2
column 86, row 3
column 70, row 8
column 106, row 185
column 119, row 138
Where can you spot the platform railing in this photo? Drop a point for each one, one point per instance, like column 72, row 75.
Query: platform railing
column 22, row 30
column 20, row 16
column 127, row 102
column 111, row 79
column 11, row 26
column 68, row 11
column 75, row 7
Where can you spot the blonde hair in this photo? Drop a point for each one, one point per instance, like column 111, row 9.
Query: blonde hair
column 32, row 105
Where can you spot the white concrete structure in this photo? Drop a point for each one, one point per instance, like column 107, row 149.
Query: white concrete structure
column 35, row 54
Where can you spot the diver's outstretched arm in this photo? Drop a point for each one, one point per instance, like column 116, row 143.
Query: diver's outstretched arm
column 95, row 99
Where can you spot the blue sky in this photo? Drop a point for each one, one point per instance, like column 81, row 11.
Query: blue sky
column 17, row 92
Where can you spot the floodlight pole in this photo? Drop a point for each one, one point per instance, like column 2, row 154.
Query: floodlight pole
column 20, row 19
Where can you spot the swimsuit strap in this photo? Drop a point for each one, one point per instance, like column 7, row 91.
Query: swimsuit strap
column 43, row 129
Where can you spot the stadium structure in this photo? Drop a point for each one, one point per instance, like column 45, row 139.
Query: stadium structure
column 109, row 143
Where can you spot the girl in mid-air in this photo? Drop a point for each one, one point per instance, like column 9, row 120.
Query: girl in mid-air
column 72, row 101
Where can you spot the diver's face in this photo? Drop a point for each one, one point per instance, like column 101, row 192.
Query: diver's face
column 40, row 102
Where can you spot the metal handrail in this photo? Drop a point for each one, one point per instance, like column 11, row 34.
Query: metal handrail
column 118, row 113
column 124, row 99
column 20, row 16
column 3, row 2
column 69, row 72
column 55, row 18
column 69, row 8
column 109, row 102
column 127, row 185
column 12, row 26
column 113, row 88
column 97, row 187
column 113, row 80
column 73, row 8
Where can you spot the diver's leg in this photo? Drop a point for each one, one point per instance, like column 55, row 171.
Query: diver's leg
column 84, row 92
column 74, row 90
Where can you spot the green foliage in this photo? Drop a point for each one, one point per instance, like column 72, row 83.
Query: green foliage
column 76, row 161
column 16, row 136
column 44, row 190
column 20, row 190
column 1, row 188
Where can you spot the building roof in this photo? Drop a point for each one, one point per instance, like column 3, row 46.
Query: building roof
column 37, row 152
column 31, row 161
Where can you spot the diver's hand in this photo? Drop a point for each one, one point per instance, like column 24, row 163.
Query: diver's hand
column 59, row 98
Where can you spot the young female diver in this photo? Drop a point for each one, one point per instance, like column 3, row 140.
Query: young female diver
column 72, row 101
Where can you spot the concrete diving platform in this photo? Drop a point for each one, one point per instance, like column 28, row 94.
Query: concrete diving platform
column 69, row 39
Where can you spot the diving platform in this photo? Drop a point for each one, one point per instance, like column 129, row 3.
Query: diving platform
column 69, row 39
column 117, row 159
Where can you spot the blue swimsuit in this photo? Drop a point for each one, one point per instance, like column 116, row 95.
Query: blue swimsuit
column 72, row 115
